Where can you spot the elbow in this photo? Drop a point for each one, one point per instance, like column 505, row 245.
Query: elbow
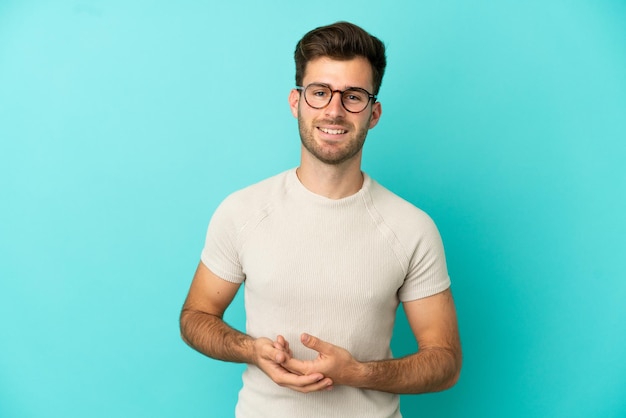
column 450, row 362
column 183, row 322
column 454, row 373
column 452, row 380
column 447, row 382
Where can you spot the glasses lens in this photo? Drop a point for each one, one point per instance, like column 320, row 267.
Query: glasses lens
column 317, row 95
column 355, row 100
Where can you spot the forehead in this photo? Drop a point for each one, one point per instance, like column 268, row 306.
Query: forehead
column 339, row 74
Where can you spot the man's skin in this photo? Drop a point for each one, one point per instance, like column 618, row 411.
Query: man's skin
column 331, row 153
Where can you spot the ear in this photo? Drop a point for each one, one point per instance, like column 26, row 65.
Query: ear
column 377, row 111
column 294, row 100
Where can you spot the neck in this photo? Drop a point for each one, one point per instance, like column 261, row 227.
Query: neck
column 331, row 181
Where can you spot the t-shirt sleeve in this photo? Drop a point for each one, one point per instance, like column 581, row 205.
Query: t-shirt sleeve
column 220, row 253
column 427, row 273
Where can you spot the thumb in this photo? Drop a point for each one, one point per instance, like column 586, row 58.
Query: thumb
column 314, row 343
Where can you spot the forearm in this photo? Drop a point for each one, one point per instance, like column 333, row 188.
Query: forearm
column 211, row 336
column 429, row 370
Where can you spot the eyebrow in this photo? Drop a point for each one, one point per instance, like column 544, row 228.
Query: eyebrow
column 344, row 89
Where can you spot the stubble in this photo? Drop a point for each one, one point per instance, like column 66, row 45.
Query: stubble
column 326, row 153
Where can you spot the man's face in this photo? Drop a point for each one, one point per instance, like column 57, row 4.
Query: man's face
column 333, row 135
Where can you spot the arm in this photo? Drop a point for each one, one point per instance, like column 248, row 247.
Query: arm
column 203, row 328
column 436, row 366
column 201, row 323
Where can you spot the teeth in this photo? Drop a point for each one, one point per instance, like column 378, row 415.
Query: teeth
column 333, row 131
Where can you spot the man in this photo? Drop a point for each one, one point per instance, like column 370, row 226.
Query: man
column 326, row 255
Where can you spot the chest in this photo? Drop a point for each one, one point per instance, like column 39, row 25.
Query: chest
column 337, row 259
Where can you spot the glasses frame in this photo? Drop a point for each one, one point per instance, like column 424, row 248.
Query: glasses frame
column 371, row 97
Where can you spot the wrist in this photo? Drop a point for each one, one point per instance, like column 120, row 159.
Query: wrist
column 240, row 348
column 252, row 350
column 359, row 374
column 369, row 373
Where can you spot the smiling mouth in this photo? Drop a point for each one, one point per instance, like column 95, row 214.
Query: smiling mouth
column 333, row 131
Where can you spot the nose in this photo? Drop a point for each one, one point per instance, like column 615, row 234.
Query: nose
column 335, row 107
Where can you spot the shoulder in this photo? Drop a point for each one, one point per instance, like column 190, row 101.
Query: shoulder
column 395, row 210
column 251, row 200
column 262, row 191
column 412, row 227
column 418, row 236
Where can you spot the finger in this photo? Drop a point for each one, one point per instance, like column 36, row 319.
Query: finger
column 286, row 377
column 315, row 343
column 282, row 344
column 273, row 352
column 295, row 381
column 324, row 384
column 300, row 367
column 280, row 357
column 316, row 386
column 279, row 343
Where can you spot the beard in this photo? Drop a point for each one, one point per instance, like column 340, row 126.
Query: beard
column 334, row 155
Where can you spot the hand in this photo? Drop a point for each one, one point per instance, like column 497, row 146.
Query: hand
column 283, row 346
column 269, row 356
column 332, row 361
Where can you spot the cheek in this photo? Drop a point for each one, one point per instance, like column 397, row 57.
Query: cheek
column 366, row 123
column 306, row 114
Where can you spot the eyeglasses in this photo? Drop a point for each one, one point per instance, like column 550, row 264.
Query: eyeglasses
column 354, row 99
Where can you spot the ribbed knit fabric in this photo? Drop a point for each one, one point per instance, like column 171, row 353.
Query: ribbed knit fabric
column 336, row 269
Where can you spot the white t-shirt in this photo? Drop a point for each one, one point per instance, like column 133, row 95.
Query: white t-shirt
column 336, row 269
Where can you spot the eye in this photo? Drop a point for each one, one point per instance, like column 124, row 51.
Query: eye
column 319, row 92
column 354, row 96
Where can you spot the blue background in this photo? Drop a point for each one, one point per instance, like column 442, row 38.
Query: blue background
column 124, row 124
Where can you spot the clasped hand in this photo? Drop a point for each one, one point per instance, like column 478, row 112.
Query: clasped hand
column 333, row 364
